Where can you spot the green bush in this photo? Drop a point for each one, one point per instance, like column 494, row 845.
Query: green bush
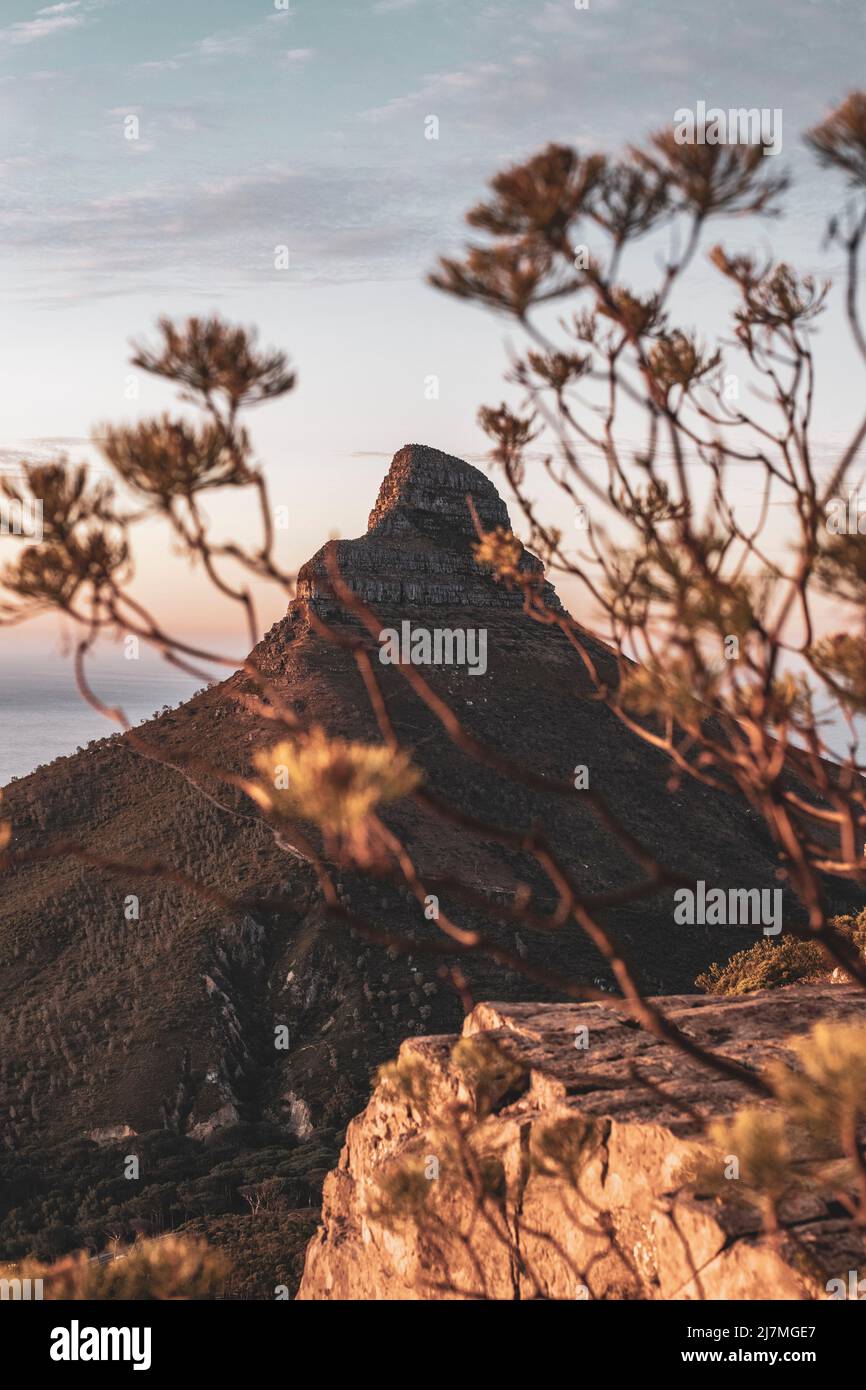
column 770, row 963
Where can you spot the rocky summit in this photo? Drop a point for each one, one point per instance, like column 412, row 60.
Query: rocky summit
column 164, row 1020
column 417, row 551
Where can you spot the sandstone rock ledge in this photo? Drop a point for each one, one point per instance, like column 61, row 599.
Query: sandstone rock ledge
column 631, row 1229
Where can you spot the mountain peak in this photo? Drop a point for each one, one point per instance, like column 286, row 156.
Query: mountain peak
column 418, row 547
column 425, row 490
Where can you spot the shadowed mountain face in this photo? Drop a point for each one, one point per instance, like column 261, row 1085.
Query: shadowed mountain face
column 417, row 552
column 168, row 1017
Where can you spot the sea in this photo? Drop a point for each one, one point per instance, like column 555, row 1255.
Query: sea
column 43, row 716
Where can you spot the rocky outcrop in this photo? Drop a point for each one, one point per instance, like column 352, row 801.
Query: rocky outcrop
column 417, row 550
column 593, row 1137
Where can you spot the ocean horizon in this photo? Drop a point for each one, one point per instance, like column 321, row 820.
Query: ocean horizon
column 43, row 716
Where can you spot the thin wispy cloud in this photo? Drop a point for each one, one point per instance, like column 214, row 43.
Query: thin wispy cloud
column 224, row 43
column 47, row 22
column 438, row 86
column 367, row 225
column 297, row 57
column 12, row 165
column 390, row 6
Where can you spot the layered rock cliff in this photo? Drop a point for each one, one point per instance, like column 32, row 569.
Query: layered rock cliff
column 592, row 1139
column 417, row 550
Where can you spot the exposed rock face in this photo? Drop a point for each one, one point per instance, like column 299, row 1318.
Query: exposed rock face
column 629, row 1228
column 425, row 491
column 418, row 545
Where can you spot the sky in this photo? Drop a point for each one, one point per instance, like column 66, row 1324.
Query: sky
column 261, row 125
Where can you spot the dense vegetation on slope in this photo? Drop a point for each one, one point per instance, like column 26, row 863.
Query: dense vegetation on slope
column 251, row 1190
